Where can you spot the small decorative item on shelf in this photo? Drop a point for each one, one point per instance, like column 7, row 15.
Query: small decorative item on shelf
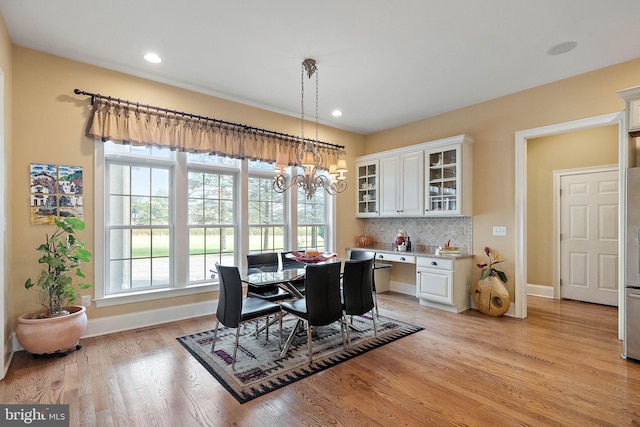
column 447, row 249
column 364, row 240
column 399, row 244
column 489, row 293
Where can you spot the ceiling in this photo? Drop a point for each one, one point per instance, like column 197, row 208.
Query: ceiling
column 384, row 63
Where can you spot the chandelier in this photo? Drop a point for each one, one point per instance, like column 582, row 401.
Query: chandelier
column 323, row 164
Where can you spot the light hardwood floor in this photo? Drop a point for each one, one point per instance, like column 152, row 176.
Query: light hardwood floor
column 560, row 366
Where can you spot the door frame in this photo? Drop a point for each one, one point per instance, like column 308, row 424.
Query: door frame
column 557, row 176
column 520, row 235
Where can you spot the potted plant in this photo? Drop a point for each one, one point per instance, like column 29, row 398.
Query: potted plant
column 59, row 325
column 489, row 293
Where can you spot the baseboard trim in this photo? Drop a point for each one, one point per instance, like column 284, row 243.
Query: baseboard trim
column 141, row 319
column 540, row 291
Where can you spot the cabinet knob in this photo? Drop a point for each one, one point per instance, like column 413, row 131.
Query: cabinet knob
column 434, row 263
column 381, row 256
column 402, row 258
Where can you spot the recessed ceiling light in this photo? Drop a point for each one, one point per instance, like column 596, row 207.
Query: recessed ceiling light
column 561, row 48
column 153, row 58
column 336, row 113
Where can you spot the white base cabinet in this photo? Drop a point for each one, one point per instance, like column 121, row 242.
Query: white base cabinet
column 444, row 283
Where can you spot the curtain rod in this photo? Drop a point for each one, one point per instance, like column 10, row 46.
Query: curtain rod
column 195, row 116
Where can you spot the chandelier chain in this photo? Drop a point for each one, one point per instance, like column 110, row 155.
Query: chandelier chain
column 302, row 101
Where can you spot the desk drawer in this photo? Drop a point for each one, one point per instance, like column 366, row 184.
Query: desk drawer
column 409, row 259
column 436, row 263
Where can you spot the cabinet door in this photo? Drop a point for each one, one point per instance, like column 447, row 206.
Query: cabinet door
column 411, row 191
column 368, row 189
column 389, row 184
column 435, row 285
column 443, row 192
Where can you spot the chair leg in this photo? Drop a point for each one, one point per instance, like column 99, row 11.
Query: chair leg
column 280, row 334
column 344, row 317
column 375, row 328
column 266, row 328
column 343, row 325
column 215, row 336
column 235, row 348
column 375, row 302
column 309, row 347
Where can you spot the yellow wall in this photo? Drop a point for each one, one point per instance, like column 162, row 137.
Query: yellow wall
column 5, row 170
column 49, row 124
column 494, row 124
column 581, row 149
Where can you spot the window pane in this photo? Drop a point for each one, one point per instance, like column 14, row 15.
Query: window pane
column 119, row 244
column 141, row 243
column 140, row 181
column 161, row 243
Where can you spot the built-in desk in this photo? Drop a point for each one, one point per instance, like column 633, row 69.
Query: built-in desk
column 439, row 281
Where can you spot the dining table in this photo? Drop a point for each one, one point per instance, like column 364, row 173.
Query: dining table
column 284, row 278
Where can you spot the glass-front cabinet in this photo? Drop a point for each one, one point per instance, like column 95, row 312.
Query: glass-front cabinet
column 448, row 180
column 368, row 188
column 443, row 180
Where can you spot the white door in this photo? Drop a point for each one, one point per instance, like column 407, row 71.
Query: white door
column 589, row 237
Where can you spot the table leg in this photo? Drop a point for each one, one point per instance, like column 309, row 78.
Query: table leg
column 287, row 344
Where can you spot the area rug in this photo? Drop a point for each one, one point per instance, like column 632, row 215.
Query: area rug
column 259, row 368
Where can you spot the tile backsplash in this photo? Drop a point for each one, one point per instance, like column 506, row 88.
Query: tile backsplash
column 423, row 231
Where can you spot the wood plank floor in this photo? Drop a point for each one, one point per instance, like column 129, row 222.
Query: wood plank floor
column 560, row 366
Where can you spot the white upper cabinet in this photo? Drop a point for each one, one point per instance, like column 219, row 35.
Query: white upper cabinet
column 449, row 180
column 428, row 179
column 402, row 191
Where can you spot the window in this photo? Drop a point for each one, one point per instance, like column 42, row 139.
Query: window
column 266, row 214
column 138, row 223
column 211, row 222
column 163, row 219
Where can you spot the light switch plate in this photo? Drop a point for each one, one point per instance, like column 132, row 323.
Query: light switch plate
column 499, row 231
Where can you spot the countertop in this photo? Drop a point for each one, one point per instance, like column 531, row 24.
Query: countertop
column 427, row 251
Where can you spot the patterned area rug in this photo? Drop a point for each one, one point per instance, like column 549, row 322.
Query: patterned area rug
column 259, row 368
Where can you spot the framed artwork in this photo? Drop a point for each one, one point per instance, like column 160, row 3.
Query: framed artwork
column 56, row 191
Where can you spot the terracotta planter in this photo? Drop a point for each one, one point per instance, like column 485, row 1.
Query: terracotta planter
column 51, row 335
column 491, row 297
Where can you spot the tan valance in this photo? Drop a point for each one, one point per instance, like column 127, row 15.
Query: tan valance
column 124, row 122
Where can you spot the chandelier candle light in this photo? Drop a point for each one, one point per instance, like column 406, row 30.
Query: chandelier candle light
column 309, row 156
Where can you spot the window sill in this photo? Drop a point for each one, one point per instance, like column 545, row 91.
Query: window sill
column 135, row 297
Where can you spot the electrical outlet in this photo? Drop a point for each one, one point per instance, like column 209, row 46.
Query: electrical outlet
column 86, row 300
column 499, row 231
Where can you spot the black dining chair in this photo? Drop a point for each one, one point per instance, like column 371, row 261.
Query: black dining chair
column 288, row 263
column 266, row 262
column 233, row 310
column 322, row 303
column 357, row 292
column 360, row 255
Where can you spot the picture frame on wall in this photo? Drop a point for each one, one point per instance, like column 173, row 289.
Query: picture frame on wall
column 56, row 191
